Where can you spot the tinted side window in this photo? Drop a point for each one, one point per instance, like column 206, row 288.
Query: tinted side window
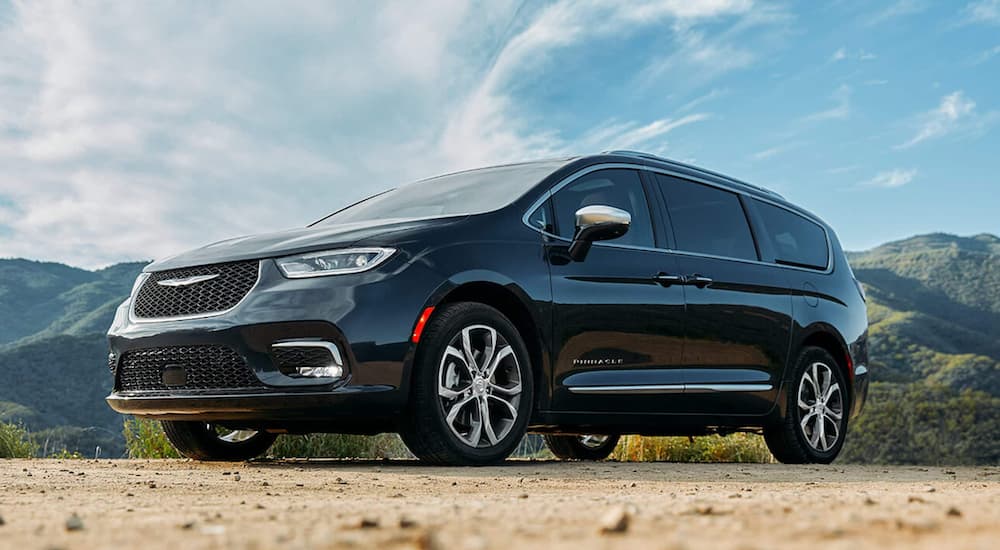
column 795, row 239
column 707, row 220
column 619, row 188
column 541, row 219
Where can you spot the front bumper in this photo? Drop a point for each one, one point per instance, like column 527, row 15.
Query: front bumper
column 373, row 340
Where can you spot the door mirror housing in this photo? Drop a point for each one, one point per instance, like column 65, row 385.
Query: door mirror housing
column 597, row 223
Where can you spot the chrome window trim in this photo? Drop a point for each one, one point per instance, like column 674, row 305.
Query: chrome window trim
column 143, row 320
column 668, row 388
column 655, row 169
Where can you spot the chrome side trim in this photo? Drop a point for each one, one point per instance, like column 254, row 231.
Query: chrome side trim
column 712, row 388
column 628, row 390
column 669, row 388
column 142, row 320
column 725, row 187
column 330, row 347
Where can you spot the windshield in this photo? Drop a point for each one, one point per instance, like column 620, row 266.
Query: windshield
column 471, row 192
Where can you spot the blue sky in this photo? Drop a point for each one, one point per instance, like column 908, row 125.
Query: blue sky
column 133, row 130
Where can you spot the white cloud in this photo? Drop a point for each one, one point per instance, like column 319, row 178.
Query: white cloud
column 714, row 94
column 841, row 109
column 135, row 130
column 987, row 55
column 892, row 178
column 774, row 151
column 631, row 135
column 897, row 9
column 983, row 11
column 950, row 114
column 839, row 55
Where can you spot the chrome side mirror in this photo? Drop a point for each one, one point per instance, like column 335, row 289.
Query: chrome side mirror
column 597, row 223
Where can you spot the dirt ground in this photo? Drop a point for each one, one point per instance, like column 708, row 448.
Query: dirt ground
column 180, row 504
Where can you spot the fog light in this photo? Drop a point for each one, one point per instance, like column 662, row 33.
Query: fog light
column 331, row 371
column 308, row 359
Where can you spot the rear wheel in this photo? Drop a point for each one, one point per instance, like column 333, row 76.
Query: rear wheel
column 582, row 447
column 205, row 441
column 815, row 423
column 472, row 388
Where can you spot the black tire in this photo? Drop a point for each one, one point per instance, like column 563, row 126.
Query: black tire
column 425, row 428
column 201, row 441
column 787, row 438
column 573, row 447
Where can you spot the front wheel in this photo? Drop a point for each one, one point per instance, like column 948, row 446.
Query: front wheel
column 203, row 441
column 581, row 447
column 472, row 388
column 814, row 425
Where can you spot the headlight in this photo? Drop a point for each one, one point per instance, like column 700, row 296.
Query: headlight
column 333, row 262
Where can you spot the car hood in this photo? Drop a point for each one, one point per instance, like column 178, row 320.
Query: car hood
column 296, row 241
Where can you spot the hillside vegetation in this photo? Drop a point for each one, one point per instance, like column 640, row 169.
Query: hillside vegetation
column 934, row 306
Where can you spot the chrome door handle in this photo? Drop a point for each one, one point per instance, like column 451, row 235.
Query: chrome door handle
column 665, row 279
column 699, row 281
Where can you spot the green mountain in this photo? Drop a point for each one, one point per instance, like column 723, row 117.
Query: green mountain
column 934, row 309
column 53, row 354
column 934, row 305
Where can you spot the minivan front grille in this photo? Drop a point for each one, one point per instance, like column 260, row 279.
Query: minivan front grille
column 191, row 369
column 192, row 291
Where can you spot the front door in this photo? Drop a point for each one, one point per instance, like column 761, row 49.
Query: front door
column 618, row 319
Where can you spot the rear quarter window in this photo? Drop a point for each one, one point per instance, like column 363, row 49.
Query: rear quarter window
column 795, row 240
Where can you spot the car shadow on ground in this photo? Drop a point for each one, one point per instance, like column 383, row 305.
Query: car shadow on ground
column 516, row 469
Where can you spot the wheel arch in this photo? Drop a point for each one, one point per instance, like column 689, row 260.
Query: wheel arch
column 513, row 304
column 824, row 336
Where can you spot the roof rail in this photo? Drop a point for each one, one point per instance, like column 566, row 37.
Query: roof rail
column 650, row 156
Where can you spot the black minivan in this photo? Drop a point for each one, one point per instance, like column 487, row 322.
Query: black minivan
column 580, row 298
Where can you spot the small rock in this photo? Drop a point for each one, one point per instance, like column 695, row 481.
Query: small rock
column 869, row 501
column 428, row 541
column 236, row 477
column 523, row 495
column 615, row 520
column 74, row 523
column 954, row 512
column 2, row 522
column 264, row 484
column 929, row 489
column 187, row 525
column 368, row 523
column 407, row 523
column 915, row 498
column 151, row 484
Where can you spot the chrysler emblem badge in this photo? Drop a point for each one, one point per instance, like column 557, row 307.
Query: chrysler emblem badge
column 187, row 281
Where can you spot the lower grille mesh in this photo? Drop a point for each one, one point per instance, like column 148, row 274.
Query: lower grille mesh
column 205, row 368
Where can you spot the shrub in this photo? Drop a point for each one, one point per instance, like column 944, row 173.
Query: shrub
column 738, row 447
column 339, row 446
column 16, row 442
column 145, row 439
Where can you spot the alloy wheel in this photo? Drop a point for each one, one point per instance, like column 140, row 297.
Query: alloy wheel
column 479, row 386
column 821, row 406
column 230, row 436
column 593, row 441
